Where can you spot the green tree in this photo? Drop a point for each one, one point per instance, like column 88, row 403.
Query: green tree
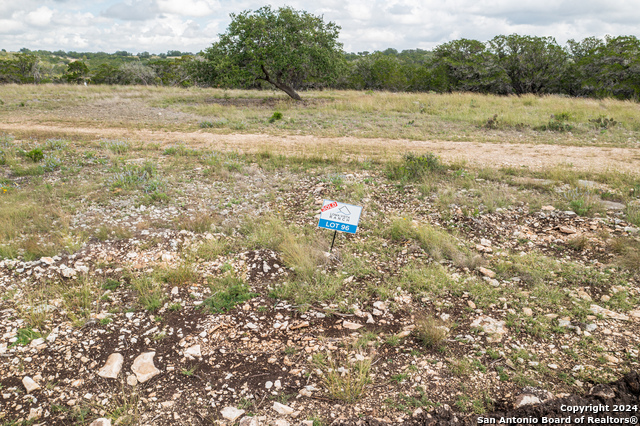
column 76, row 72
column 286, row 48
column 466, row 65
column 609, row 67
column 533, row 64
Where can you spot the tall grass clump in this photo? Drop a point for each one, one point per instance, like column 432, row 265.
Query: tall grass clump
column 117, row 146
column 344, row 379
column 439, row 244
column 131, row 176
column 415, row 167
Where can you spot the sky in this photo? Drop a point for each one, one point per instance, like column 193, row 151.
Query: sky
column 157, row 26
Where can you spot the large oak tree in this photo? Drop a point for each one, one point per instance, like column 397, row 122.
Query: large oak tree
column 285, row 47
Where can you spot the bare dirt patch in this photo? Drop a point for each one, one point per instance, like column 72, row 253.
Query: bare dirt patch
column 534, row 157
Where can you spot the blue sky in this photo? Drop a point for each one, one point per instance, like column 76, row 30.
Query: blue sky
column 192, row 25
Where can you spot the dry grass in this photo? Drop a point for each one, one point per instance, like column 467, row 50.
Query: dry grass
column 430, row 331
column 414, row 116
column 344, row 379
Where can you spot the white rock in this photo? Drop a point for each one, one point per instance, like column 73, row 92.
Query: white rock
column 527, row 311
column 101, row 422
column 132, row 380
column 193, row 352
column 526, row 399
column 281, row 422
column 490, row 326
column 47, row 261
column 380, row 305
column 598, row 310
column 487, row 272
column 351, row 325
column 268, row 385
column 231, row 413
column 34, row 413
column 485, row 242
column 112, row 367
column 36, row 342
column 249, row 421
column 282, row 409
column 29, row 384
column 143, row 367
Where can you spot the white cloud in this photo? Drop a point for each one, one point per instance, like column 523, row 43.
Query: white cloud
column 192, row 25
column 194, row 8
column 39, row 17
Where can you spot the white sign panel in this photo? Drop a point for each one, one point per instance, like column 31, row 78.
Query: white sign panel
column 339, row 216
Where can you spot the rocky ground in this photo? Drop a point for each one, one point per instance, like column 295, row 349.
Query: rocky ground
column 135, row 321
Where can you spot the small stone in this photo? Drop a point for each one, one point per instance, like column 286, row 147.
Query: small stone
column 351, row 325
column 552, row 366
column 608, row 313
column 47, row 261
column 485, row 242
column 29, row 384
column 34, row 413
column 282, row 409
column 527, row 311
column 268, row 385
column 471, row 304
column 249, row 421
column 487, row 272
column 132, row 380
column 112, row 367
column 101, row 422
column 380, row 305
column 231, row 413
column 567, row 230
column 547, row 208
column 193, row 352
column 143, row 367
column 281, row 422
column 526, row 399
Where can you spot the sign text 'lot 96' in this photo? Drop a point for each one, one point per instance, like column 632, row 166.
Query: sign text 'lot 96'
column 339, row 216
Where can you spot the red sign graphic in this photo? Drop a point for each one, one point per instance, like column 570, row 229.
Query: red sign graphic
column 329, row 206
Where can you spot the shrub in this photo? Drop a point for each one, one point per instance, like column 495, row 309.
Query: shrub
column 227, row 291
column 36, row 155
column 275, row 117
column 415, row 167
column 603, row 123
column 430, row 331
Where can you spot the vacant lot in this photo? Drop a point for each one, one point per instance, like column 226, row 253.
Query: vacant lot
column 183, row 224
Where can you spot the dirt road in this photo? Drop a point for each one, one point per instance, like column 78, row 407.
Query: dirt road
column 595, row 159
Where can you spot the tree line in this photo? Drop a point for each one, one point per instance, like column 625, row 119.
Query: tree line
column 504, row 65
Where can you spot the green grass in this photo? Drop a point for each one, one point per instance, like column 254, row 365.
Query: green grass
column 228, row 291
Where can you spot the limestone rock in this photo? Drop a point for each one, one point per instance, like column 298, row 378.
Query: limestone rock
column 249, row 421
column 193, row 352
column 487, row 272
column 598, row 310
column 282, row 409
column 603, row 391
column 231, row 413
column 490, row 326
column 112, row 367
column 30, row 385
column 525, row 399
column 143, row 367
column 351, row 325
column 101, row 422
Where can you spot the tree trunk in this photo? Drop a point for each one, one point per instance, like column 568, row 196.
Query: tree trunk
column 284, row 87
column 287, row 89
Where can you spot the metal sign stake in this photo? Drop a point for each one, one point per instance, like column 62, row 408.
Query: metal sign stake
column 333, row 241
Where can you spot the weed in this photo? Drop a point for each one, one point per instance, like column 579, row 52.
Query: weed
column 24, row 336
column 415, row 167
column 175, row 307
column 36, row 155
column 117, row 146
column 275, row 117
column 460, row 366
column 492, row 122
column 181, row 275
column 430, row 331
column 149, row 293
column 228, row 291
column 603, row 123
column 345, row 380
